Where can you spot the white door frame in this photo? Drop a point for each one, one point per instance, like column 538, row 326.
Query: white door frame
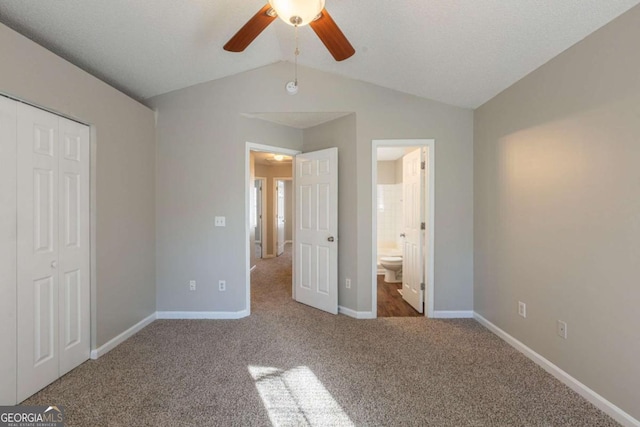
column 275, row 208
column 430, row 144
column 249, row 147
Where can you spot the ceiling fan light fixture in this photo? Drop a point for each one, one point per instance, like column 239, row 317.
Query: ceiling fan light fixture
column 297, row 12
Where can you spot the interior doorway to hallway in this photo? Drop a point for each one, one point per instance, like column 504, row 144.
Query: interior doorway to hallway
column 403, row 223
column 270, row 208
column 271, row 203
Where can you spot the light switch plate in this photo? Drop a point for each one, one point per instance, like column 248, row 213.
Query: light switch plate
column 220, row 221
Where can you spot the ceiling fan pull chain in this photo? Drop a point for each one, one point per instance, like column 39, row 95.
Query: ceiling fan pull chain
column 296, row 53
column 292, row 87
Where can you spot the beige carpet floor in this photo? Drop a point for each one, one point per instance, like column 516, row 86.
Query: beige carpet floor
column 289, row 364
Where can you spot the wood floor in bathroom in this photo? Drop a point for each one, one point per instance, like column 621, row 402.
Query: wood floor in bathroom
column 390, row 302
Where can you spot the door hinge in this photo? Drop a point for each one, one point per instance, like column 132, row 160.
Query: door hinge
column 423, row 226
column 423, row 165
column 422, row 286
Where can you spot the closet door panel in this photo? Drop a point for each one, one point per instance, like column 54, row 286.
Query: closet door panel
column 8, row 115
column 37, row 249
column 74, row 297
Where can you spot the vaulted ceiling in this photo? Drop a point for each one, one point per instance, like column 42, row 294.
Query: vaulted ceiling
column 461, row 52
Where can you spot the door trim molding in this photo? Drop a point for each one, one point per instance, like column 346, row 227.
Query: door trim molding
column 249, row 147
column 430, row 144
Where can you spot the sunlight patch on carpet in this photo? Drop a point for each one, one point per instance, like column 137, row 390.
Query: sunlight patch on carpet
column 297, row 398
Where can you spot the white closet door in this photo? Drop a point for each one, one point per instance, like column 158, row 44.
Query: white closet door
column 73, row 260
column 37, row 282
column 8, row 114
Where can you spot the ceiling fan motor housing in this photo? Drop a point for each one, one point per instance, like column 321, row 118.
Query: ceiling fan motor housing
column 297, row 12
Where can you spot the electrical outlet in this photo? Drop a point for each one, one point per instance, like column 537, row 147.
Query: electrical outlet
column 522, row 309
column 192, row 285
column 347, row 283
column 222, row 285
column 562, row 329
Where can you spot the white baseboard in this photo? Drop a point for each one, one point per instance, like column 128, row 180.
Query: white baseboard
column 202, row 314
column 114, row 342
column 450, row 314
column 356, row 314
column 598, row 401
column 252, row 268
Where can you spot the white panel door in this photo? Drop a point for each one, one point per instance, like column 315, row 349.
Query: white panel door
column 280, row 205
column 37, row 278
column 316, row 229
column 53, row 255
column 8, row 114
column 73, row 260
column 412, row 218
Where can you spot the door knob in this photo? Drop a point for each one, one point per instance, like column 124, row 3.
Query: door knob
column 403, row 235
column 54, row 264
column 330, row 238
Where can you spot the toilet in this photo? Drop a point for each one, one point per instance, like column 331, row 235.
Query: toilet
column 392, row 268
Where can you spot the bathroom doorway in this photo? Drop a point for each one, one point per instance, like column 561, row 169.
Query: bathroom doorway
column 403, row 223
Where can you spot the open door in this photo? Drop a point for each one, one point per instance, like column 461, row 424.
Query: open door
column 280, row 214
column 412, row 257
column 316, row 229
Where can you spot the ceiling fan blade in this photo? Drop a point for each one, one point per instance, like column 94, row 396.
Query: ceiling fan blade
column 250, row 30
column 332, row 37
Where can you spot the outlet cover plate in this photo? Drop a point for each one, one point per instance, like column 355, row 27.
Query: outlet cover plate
column 522, row 309
column 562, row 329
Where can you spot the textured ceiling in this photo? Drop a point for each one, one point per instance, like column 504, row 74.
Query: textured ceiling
column 462, row 52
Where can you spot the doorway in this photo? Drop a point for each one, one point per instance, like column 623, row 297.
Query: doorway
column 269, row 211
column 402, row 230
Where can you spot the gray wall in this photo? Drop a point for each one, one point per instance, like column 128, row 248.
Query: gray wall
column 201, row 148
column 124, row 175
column 201, row 138
column 557, row 223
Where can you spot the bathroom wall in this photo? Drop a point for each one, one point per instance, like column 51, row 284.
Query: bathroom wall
column 389, row 206
column 387, row 172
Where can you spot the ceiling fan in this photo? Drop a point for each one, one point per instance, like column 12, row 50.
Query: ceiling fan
column 296, row 13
